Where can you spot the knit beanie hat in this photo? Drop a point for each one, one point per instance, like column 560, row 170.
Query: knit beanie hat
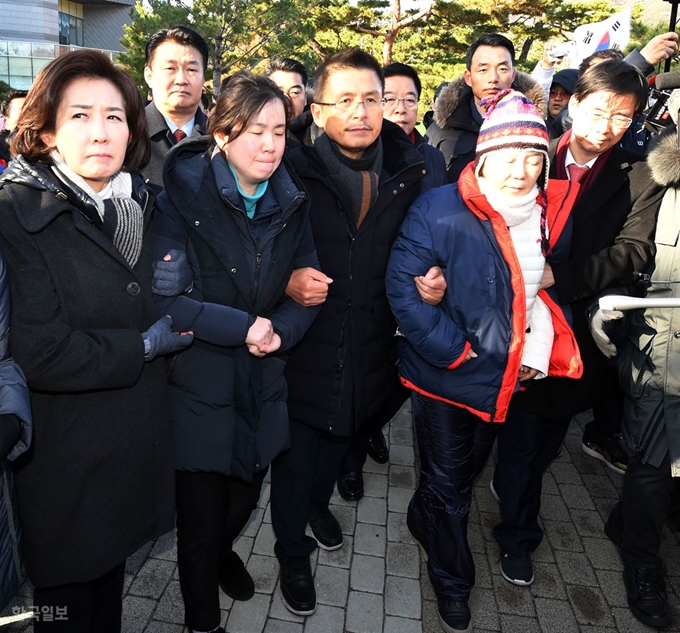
column 512, row 121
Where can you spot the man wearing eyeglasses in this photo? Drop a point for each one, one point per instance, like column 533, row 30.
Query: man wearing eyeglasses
column 612, row 227
column 361, row 174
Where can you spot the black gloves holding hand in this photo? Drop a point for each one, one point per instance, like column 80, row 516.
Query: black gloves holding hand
column 160, row 339
column 172, row 277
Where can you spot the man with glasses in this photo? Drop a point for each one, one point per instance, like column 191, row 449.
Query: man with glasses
column 612, row 227
column 361, row 174
column 402, row 92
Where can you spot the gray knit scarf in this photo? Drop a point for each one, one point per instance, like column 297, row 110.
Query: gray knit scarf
column 357, row 180
column 122, row 219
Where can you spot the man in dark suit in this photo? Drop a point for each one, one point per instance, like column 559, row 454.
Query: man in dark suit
column 176, row 60
column 612, row 227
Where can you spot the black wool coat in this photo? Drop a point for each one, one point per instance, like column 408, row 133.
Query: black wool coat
column 343, row 371
column 97, row 481
column 612, row 237
column 162, row 141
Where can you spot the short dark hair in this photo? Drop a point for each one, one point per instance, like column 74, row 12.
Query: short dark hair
column 598, row 57
column 614, row 76
column 11, row 96
column 287, row 65
column 489, row 39
column 237, row 106
column 182, row 35
column 349, row 58
column 397, row 69
column 39, row 114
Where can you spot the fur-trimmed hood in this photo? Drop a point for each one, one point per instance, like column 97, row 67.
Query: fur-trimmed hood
column 451, row 96
column 663, row 159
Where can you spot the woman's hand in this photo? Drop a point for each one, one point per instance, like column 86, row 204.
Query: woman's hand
column 527, row 373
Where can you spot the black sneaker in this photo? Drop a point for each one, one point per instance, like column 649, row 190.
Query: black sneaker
column 454, row 616
column 297, row 587
column 377, row 448
column 646, row 593
column 235, row 580
column 351, row 486
column 517, row 569
column 325, row 528
column 608, row 450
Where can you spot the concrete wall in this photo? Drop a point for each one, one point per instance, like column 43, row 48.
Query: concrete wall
column 29, row 20
column 103, row 24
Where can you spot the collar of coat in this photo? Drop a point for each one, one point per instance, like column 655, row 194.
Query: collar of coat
column 663, row 158
column 40, row 177
column 455, row 100
column 157, row 124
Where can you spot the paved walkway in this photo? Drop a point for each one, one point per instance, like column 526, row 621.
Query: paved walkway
column 377, row 582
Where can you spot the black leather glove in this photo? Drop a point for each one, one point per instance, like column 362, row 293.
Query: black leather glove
column 160, row 339
column 174, row 277
column 10, row 431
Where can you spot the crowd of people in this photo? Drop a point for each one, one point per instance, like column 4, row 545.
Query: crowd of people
column 192, row 298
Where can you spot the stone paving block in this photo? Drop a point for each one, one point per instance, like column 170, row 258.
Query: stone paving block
column 554, row 508
column 163, row 627
column 165, row 547
column 170, row 607
column 512, row 599
column 476, row 539
column 474, row 513
column 367, row 574
column 484, row 611
column 398, row 499
column 278, row 609
column 596, row 629
column 281, row 626
column 375, row 485
column 243, row 546
column 346, row 517
column 670, row 552
column 590, row 606
column 402, row 625
column 576, row 497
column 599, row 486
column 482, row 571
column 364, row 613
column 548, row 583
column 549, row 485
column 544, row 553
column 426, row 590
column 265, row 493
column 397, row 531
column 326, row 620
column 604, row 506
column 134, row 563
column 518, row 624
column 127, row 582
column 340, row 557
column 136, row 613
column 575, row 568
column 331, row 585
column 626, row 622
column 430, row 617
column 264, row 542
column 254, row 523
column 485, row 500
column 152, row 578
column 403, row 560
column 249, row 617
column 373, row 467
column 268, row 515
column 611, row 584
column 372, row 510
column 403, row 419
column 602, row 553
column 337, row 500
column 587, row 465
column 401, row 435
column 488, row 520
column 402, row 455
column 556, row 616
column 562, row 536
column 369, row 539
column 587, row 523
column 264, row 571
column 402, row 597
column 402, row 477
column 565, row 473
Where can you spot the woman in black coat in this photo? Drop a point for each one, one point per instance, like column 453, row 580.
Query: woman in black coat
column 240, row 218
column 96, row 483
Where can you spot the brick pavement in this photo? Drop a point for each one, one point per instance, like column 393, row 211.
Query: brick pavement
column 378, row 583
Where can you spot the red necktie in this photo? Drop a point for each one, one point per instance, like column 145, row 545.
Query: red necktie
column 577, row 173
column 180, row 134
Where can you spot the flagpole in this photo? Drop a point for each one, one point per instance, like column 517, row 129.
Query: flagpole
column 671, row 27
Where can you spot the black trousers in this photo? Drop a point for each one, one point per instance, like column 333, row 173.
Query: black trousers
column 304, row 474
column 640, row 514
column 212, row 509
column 607, row 408
column 90, row 607
column 454, row 445
column 526, row 446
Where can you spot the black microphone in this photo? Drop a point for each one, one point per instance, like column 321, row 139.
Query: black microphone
column 668, row 81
